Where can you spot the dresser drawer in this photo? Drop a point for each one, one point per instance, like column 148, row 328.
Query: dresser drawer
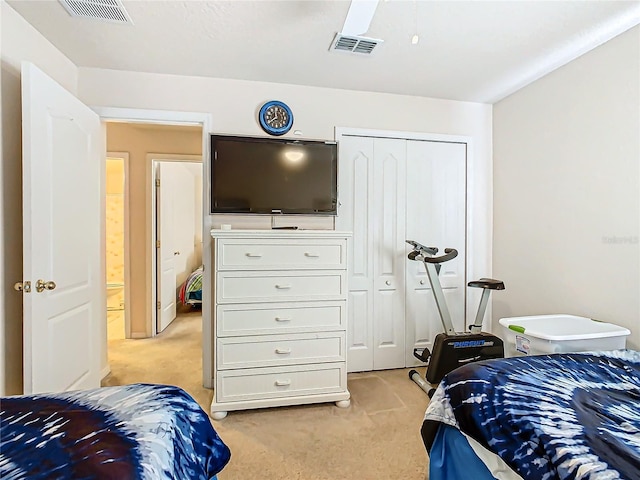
column 275, row 350
column 266, row 318
column 281, row 254
column 278, row 382
column 241, row 287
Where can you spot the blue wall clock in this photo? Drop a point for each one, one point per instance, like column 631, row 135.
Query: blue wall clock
column 275, row 118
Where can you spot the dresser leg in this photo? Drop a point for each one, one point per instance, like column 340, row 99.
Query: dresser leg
column 343, row 403
column 218, row 415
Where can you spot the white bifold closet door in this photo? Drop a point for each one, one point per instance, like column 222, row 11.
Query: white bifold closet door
column 391, row 190
column 371, row 185
column 436, row 199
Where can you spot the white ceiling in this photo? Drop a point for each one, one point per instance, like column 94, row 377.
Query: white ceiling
column 468, row 50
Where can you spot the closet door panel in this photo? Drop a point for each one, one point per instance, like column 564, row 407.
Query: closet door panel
column 355, row 215
column 388, row 202
column 359, row 332
column 436, row 216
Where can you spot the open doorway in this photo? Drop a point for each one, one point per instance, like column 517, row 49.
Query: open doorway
column 139, row 355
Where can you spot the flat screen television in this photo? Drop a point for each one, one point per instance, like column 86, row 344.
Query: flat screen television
column 273, row 176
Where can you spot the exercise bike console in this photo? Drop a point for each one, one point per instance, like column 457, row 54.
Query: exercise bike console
column 452, row 349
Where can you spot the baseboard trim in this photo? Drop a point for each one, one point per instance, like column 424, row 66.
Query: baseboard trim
column 105, row 371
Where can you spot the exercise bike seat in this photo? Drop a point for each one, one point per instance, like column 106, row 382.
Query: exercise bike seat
column 488, row 283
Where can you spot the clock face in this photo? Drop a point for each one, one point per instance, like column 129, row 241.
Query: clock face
column 275, row 118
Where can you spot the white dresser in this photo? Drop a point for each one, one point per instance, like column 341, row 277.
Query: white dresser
column 279, row 310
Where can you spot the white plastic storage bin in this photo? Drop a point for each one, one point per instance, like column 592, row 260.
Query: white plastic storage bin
column 545, row 334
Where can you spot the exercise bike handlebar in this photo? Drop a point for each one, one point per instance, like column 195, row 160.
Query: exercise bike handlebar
column 450, row 254
column 420, row 249
column 427, row 253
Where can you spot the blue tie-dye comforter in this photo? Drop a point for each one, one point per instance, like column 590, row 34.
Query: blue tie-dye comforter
column 131, row 432
column 564, row 416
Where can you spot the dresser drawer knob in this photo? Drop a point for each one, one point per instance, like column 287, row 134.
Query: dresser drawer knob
column 283, row 351
column 254, row 255
column 283, row 383
column 282, row 319
column 283, row 287
column 311, row 255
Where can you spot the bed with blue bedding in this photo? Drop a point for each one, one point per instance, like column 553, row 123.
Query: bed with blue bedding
column 190, row 292
column 548, row 417
column 138, row 431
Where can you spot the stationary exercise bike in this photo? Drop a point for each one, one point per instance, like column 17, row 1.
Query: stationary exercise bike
column 452, row 349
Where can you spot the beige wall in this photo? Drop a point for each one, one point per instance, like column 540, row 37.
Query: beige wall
column 140, row 140
column 19, row 41
column 567, row 190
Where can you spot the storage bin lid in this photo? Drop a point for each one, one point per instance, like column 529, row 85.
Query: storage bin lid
column 563, row 327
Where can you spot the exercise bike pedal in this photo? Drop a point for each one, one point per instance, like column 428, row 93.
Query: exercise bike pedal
column 422, row 354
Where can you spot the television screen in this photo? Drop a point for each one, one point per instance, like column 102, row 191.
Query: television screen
column 273, row 176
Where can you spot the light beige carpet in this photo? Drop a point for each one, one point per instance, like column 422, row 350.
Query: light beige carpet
column 377, row 437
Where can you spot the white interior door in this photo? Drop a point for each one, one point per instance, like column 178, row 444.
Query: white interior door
column 436, row 216
column 392, row 190
column 355, row 215
column 64, row 318
column 388, row 201
column 372, row 203
column 167, row 193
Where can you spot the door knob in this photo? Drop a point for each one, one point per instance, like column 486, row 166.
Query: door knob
column 388, row 282
column 176, row 253
column 421, row 282
column 42, row 285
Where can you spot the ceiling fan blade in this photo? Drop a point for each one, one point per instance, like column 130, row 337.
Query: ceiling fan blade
column 359, row 17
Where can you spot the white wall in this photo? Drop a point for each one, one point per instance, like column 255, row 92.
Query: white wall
column 567, row 190
column 234, row 104
column 19, row 41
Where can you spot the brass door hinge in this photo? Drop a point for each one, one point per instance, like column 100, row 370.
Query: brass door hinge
column 157, row 182
column 158, row 305
column 157, row 243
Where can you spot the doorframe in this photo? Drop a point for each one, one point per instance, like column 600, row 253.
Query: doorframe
column 152, row 159
column 205, row 120
column 127, row 272
column 478, row 204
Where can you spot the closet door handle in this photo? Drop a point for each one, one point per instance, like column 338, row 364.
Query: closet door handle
column 311, row 255
column 283, row 383
column 421, row 282
column 283, row 287
column 283, row 351
column 282, row 319
column 253, row 255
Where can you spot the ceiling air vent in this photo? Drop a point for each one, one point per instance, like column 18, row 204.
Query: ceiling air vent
column 105, row 10
column 354, row 44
